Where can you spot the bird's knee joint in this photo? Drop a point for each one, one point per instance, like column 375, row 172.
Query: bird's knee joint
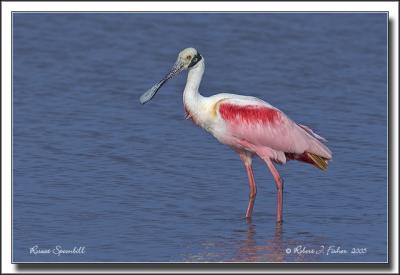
column 246, row 160
column 252, row 195
column 279, row 186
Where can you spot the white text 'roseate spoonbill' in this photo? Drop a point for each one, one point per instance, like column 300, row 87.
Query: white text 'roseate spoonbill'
column 249, row 125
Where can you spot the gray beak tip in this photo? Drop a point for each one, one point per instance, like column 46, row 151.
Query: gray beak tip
column 150, row 93
column 142, row 100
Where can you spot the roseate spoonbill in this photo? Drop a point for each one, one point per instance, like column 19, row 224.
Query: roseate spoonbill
column 249, row 125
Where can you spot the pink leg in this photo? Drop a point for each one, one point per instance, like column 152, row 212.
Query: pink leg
column 246, row 158
column 279, row 187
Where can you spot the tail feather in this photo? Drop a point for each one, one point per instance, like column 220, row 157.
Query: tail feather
column 311, row 158
column 315, row 153
column 318, row 161
column 316, row 145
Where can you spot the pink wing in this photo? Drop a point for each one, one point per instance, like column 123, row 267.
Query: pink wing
column 259, row 125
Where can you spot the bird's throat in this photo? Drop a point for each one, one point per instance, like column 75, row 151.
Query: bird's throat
column 192, row 99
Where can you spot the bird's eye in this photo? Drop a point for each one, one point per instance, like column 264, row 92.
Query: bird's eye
column 188, row 57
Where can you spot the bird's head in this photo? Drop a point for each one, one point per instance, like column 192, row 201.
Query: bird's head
column 187, row 59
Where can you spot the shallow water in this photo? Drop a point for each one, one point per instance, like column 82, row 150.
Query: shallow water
column 93, row 168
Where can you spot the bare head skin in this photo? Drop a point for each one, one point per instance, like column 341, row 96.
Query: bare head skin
column 188, row 57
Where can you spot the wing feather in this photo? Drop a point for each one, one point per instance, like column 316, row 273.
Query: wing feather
column 260, row 124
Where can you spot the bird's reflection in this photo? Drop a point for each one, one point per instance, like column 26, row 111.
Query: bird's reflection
column 271, row 251
column 258, row 248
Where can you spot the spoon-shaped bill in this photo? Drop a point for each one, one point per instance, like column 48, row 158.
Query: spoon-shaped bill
column 149, row 94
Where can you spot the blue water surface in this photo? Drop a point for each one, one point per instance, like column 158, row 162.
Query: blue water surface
column 94, row 169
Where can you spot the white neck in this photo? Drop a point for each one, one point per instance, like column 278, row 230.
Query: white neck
column 192, row 99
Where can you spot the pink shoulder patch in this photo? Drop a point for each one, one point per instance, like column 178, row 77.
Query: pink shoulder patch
column 248, row 113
